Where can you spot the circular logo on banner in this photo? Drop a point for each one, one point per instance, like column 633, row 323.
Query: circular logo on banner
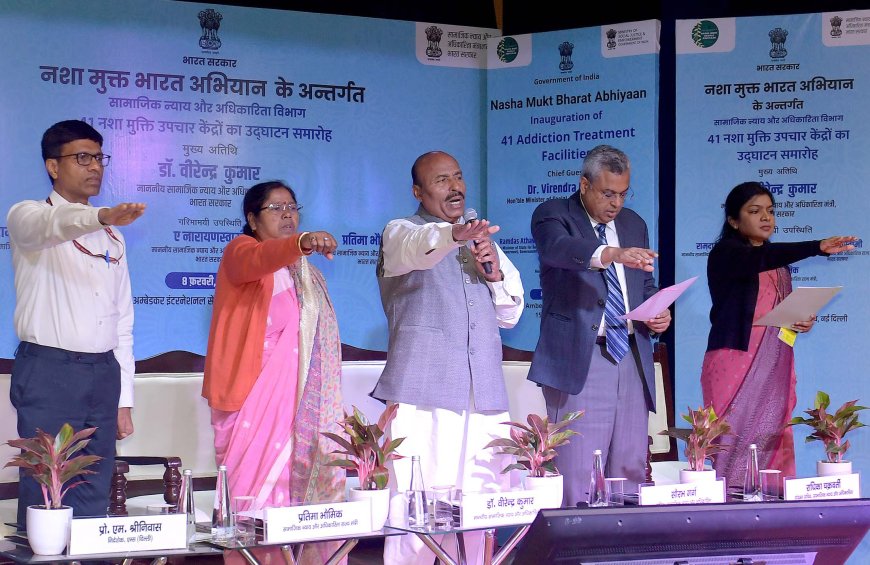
column 705, row 33
column 507, row 49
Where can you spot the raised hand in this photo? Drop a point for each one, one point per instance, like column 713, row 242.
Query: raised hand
column 321, row 242
column 473, row 230
column 121, row 214
column 837, row 244
column 632, row 257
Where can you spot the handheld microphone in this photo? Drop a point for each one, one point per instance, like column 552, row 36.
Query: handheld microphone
column 471, row 214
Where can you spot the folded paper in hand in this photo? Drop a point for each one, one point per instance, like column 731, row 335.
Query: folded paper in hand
column 799, row 306
column 656, row 304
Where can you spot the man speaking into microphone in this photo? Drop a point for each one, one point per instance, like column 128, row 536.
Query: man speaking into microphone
column 471, row 215
column 444, row 309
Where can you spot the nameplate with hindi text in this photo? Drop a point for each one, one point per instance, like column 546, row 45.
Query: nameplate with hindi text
column 482, row 510
column 683, row 493
column 121, row 534
column 291, row 524
column 823, row 488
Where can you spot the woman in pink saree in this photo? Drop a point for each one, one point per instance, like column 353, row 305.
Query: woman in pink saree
column 273, row 366
column 748, row 375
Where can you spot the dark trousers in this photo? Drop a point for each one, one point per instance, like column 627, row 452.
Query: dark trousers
column 53, row 386
column 615, row 421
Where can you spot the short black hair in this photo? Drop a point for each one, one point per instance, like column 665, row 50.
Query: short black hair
column 64, row 132
column 256, row 196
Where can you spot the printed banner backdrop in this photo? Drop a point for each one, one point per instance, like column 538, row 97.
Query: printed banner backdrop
column 198, row 103
column 779, row 100
column 551, row 98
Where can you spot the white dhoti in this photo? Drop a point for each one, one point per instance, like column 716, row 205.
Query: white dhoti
column 451, row 449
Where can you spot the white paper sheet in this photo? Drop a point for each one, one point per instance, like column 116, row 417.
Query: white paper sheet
column 656, row 304
column 799, row 306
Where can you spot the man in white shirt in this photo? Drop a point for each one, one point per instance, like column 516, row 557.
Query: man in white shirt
column 446, row 289
column 73, row 313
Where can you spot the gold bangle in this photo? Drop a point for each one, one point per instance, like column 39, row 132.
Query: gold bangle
column 299, row 244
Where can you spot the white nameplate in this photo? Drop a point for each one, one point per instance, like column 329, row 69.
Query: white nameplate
column 500, row 508
column 821, row 488
column 685, row 493
column 290, row 524
column 120, row 534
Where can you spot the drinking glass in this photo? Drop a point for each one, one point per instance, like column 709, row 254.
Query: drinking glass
column 244, row 518
column 614, row 488
column 440, row 507
column 771, row 482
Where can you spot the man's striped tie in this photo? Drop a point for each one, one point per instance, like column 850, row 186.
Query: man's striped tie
column 617, row 330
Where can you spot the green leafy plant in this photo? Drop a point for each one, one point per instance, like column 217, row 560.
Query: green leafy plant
column 829, row 428
column 49, row 460
column 703, row 439
column 367, row 447
column 534, row 445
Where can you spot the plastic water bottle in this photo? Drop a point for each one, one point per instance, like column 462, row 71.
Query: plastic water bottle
column 597, row 487
column 752, row 483
column 222, row 518
column 417, row 509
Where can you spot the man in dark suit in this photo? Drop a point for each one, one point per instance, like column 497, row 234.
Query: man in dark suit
column 587, row 358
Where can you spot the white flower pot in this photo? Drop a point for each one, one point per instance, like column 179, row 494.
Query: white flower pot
column 549, row 487
column 828, row 469
column 48, row 529
column 380, row 503
column 688, row 476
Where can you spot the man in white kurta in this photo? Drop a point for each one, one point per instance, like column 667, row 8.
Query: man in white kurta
column 444, row 307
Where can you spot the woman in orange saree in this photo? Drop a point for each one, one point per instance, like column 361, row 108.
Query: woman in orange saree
column 273, row 367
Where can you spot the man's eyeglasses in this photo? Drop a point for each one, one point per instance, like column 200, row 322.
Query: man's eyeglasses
column 85, row 159
column 622, row 196
column 278, row 208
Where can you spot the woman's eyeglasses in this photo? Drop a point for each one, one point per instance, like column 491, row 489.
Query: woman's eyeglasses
column 278, row 208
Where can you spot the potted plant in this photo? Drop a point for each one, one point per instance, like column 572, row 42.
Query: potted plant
column 703, row 440
column 367, row 449
column 533, row 447
column 49, row 460
column 830, row 429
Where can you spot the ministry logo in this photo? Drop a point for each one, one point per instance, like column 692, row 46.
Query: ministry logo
column 611, row 38
column 433, row 36
column 777, row 43
column 836, row 22
column 566, row 48
column 210, row 22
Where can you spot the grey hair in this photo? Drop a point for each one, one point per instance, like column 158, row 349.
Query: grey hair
column 605, row 157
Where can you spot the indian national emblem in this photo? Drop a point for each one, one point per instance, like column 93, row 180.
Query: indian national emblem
column 777, row 43
column 836, row 21
column 611, row 38
column 210, row 22
column 566, row 48
column 433, row 36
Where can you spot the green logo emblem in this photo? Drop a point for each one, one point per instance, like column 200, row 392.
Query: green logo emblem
column 705, row 34
column 507, row 49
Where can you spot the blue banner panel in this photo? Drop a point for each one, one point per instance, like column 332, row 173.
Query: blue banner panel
column 779, row 100
column 551, row 97
column 197, row 104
